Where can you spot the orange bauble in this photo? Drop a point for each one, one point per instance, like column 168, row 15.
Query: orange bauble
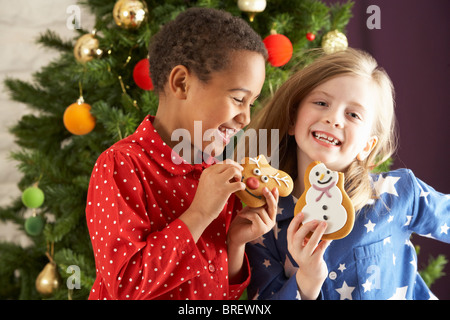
column 279, row 48
column 78, row 118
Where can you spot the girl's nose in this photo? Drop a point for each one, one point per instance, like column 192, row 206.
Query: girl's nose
column 333, row 119
column 252, row 183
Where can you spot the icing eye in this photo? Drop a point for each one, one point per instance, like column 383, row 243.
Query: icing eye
column 328, row 171
column 317, row 173
column 256, row 172
column 264, row 179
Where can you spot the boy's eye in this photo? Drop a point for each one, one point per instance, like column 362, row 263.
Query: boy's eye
column 321, row 103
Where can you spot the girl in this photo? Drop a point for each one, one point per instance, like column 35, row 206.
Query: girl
column 162, row 227
column 340, row 110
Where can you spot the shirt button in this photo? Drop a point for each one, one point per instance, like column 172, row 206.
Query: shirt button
column 332, row 275
column 211, row 268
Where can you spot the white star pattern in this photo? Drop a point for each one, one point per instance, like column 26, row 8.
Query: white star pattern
column 370, row 226
column 444, row 228
column 345, row 291
column 400, row 294
column 367, row 285
column 342, row 267
column 386, row 185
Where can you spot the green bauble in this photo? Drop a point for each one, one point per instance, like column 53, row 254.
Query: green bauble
column 34, row 225
column 33, row 197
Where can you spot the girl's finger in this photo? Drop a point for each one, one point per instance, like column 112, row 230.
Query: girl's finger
column 301, row 234
column 272, row 202
column 315, row 238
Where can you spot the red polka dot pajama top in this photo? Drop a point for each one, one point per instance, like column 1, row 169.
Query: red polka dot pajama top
column 142, row 250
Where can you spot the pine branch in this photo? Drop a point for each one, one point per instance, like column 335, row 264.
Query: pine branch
column 434, row 270
column 51, row 39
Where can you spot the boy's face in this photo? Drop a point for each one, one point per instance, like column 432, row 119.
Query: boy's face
column 223, row 103
column 334, row 122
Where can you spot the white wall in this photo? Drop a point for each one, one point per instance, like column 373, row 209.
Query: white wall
column 21, row 22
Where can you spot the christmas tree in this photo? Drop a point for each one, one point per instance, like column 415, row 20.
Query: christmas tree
column 95, row 94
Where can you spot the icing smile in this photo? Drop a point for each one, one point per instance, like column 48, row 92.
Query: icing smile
column 327, row 138
column 320, row 182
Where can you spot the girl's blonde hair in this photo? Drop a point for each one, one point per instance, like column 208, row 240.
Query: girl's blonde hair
column 281, row 111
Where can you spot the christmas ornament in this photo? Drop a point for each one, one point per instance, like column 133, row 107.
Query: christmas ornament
column 310, row 36
column 252, row 7
column 78, row 119
column 141, row 75
column 279, row 48
column 130, row 14
column 34, row 225
column 48, row 280
column 33, row 197
column 86, row 48
column 334, row 41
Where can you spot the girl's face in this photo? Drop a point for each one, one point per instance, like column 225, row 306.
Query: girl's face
column 334, row 122
column 223, row 103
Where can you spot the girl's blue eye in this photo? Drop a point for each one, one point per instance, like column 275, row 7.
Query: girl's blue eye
column 321, row 103
column 238, row 100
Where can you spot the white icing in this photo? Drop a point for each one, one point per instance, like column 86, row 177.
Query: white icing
column 284, row 179
column 329, row 197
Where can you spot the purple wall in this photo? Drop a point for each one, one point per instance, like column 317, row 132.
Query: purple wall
column 413, row 45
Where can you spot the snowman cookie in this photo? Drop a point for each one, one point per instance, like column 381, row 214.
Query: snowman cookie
column 325, row 199
column 257, row 174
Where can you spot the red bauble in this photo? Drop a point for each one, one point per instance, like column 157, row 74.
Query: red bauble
column 310, row 36
column 279, row 48
column 141, row 75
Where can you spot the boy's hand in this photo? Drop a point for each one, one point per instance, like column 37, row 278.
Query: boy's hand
column 251, row 223
column 215, row 186
column 308, row 253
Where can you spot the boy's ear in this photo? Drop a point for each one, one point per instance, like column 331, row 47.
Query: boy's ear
column 177, row 82
column 370, row 144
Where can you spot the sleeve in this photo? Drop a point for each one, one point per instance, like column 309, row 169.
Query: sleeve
column 133, row 263
column 269, row 279
column 431, row 211
column 237, row 289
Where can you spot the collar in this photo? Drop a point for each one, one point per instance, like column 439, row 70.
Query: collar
column 150, row 140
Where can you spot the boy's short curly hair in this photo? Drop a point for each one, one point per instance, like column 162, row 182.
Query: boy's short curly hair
column 201, row 40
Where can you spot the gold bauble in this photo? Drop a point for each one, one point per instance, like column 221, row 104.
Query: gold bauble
column 130, row 14
column 334, row 41
column 48, row 280
column 252, row 7
column 86, row 48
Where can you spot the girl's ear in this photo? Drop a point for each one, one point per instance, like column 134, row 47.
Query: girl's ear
column 177, row 82
column 370, row 144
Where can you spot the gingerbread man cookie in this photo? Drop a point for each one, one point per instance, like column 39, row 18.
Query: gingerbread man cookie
column 325, row 199
column 258, row 174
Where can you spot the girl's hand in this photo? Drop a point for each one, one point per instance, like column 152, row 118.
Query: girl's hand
column 308, row 253
column 251, row 223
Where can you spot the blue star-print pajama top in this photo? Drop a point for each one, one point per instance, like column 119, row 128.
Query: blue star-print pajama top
column 375, row 261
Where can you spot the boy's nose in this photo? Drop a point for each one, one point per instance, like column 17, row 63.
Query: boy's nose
column 252, row 183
